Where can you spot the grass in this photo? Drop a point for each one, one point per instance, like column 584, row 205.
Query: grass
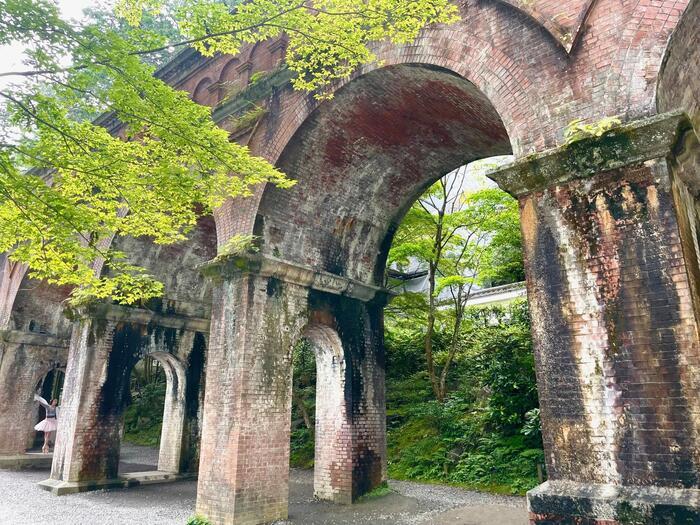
column 379, row 492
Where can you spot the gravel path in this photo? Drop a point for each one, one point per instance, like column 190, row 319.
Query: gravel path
column 23, row 503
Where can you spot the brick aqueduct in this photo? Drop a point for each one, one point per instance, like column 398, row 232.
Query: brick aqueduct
column 612, row 246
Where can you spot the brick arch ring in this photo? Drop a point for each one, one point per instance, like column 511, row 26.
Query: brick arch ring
column 488, row 68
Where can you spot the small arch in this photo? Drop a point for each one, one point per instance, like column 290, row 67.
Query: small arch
column 230, row 81
column 50, row 386
column 173, row 422
column 202, row 93
column 332, row 426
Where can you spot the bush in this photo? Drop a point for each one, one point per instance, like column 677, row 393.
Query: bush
column 302, row 448
column 198, row 520
column 143, row 419
column 486, row 434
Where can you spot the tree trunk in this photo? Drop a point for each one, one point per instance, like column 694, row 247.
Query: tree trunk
column 454, row 343
column 304, row 412
column 429, row 334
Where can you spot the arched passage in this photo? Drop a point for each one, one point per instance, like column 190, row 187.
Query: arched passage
column 27, row 363
column 373, row 149
column 49, row 387
column 332, row 429
column 173, row 410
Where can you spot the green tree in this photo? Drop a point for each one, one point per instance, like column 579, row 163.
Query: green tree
column 451, row 234
column 68, row 185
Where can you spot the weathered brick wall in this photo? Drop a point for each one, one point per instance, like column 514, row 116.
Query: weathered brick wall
column 103, row 352
column 350, row 457
column 679, row 81
column 685, row 169
column 87, row 441
column 333, row 429
column 615, row 330
column 186, row 291
column 25, row 359
column 38, row 308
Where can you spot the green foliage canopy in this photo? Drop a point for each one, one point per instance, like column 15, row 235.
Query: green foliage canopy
column 68, row 185
column 460, row 238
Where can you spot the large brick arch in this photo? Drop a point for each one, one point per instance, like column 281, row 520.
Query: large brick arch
column 536, row 81
column 361, row 159
column 678, row 85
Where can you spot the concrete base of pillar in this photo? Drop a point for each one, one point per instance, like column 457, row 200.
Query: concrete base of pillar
column 566, row 502
column 132, row 479
column 27, row 461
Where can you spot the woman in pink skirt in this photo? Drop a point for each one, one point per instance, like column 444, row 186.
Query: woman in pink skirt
column 50, row 422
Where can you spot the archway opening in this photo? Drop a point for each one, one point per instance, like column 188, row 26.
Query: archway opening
column 322, row 435
column 385, row 138
column 49, row 387
column 303, row 405
column 154, row 416
column 462, row 402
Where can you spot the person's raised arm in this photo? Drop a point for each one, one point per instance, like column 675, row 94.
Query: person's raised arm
column 41, row 400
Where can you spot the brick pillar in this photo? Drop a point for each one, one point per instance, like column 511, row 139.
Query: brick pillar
column 25, row 359
column 172, row 432
column 244, row 459
column 610, row 288
column 350, row 456
column 101, row 356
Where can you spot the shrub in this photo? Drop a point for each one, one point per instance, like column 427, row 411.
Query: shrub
column 198, row 519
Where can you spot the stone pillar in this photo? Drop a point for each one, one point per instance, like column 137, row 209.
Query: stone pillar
column 615, row 327
column 25, row 358
column 350, row 456
column 100, row 358
column 259, row 310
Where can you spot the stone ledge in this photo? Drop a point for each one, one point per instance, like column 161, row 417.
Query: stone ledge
column 27, row 461
column 568, row 501
column 133, row 479
column 32, row 338
column 114, row 312
column 293, row 273
column 629, row 144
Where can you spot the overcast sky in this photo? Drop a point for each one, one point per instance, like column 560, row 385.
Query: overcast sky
column 11, row 56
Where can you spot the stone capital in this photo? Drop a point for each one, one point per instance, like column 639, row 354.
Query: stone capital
column 123, row 314
column 293, row 273
column 629, row 144
column 32, row 338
